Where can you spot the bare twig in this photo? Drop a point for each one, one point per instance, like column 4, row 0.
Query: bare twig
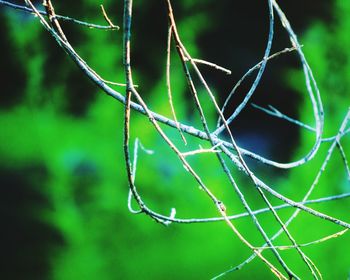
column 247, row 74
column 168, row 83
column 213, row 65
column 246, row 214
column 343, row 155
column 274, row 112
column 50, row 11
column 202, row 151
column 109, row 21
column 321, row 240
column 64, row 18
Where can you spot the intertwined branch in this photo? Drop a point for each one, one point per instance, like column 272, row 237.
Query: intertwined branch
column 227, row 152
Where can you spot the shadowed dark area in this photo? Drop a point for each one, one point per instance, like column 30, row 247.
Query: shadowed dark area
column 27, row 241
column 13, row 80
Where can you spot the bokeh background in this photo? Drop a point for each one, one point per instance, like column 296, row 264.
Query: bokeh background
column 63, row 200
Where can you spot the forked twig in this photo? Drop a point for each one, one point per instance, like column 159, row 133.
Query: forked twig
column 219, row 128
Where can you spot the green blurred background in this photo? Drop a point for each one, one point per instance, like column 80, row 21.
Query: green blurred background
column 63, row 185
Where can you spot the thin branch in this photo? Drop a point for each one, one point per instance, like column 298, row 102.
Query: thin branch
column 261, row 67
column 168, row 83
column 202, row 151
column 213, row 65
column 343, row 155
column 255, row 212
column 321, row 240
column 50, row 11
column 274, row 112
column 109, row 21
column 247, row 74
column 134, row 169
column 64, row 18
column 129, row 91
